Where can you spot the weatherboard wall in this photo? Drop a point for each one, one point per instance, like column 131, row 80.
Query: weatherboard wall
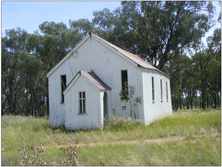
column 107, row 64
column 156, row 109
column 93, row 117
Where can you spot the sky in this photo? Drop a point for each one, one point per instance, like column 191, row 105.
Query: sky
column 29, row 15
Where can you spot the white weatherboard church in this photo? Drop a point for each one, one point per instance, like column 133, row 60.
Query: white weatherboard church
column 84, row 86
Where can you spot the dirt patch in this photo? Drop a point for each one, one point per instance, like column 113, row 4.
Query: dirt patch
column 155, row 141
column 122, row 142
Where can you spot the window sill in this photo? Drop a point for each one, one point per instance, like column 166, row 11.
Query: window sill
column 61, row 102
column 82, row 114
column 153, row 101
column 161, row 101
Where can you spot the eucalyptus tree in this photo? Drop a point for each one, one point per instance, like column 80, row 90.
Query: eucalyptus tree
column 12, row 44
column 50, row 44
column 214, row 51
column 201, row 67
column 182, row 81
column 190, row 83
column 32, row 79
column 83, row 25
column 109, row 25
column 156, row 30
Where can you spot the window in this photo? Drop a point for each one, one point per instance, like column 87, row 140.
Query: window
column 166, row 92
column 161, row 90
column 82, row 102
column 63, row 86
column 124, row 79
column 124, row 82
column 153, row 99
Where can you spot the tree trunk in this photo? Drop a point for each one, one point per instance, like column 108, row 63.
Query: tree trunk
column 188, row 104
column 218, row 100
column 10, row 99
column 180, row 104
column 203, row 94
column 191, row 103
column 163, row 60
column 215, row 101
column 31, row 102
column 207, row 102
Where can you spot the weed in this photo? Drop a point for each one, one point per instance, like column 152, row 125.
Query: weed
column 33, row 159
column 34, row 156
column 35, row 134
column 70, row 156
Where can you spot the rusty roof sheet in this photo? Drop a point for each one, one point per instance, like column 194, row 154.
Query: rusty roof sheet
column 131, row 56
column 94, row 79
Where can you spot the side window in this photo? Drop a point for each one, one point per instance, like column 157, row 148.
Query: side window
column 161, row 90
column 166, row 92
column 153, row 99
column 124, row 82
column 63, row 86
column 124, row 79
column 82, row 102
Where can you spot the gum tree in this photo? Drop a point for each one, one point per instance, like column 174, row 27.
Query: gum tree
column 156, row 30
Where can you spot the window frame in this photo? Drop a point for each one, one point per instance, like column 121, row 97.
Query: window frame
column 161, row 90
column 166, row 91
column 123, row 81
column 153, row 89
column 82, row 103
column 63, row 87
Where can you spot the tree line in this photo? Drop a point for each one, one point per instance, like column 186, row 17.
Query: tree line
column 161, row 33
column 196, row 80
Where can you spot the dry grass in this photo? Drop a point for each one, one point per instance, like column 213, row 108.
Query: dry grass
column 187, row 124
column 204, row 151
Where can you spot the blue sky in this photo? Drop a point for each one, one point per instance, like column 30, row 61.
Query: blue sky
column 29, row 15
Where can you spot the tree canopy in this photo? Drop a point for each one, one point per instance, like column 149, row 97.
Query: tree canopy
column 157, row 31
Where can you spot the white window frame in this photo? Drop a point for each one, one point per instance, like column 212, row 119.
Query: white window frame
column 166, row 92
column 82, row 108
column 161, row 90
column 124, row 80
column 153, row 89
column 63, row 87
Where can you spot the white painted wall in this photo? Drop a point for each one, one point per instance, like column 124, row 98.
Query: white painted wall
column 157, row 109
column 92, row 55
column 94, row 109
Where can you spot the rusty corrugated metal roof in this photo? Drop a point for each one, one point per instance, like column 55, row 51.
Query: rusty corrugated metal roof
column 93, row 78
column 136, row 59
column 131, row 56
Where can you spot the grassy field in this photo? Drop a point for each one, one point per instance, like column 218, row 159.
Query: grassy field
column 31, row 141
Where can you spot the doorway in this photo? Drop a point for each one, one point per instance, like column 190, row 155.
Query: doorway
column 105, row 108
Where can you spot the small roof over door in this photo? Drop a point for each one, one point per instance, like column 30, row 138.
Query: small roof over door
column 91, row 77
